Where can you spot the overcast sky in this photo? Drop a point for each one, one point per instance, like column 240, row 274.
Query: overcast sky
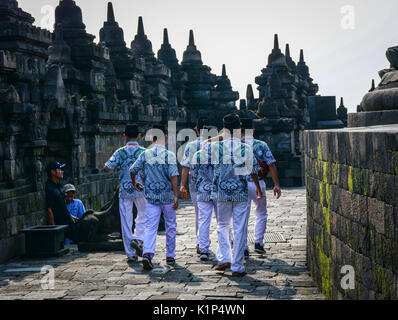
column 343, row 46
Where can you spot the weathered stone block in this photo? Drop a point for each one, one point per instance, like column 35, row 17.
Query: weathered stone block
column 359, row 208
column 333, row 223
column 394, row 256
column 389, row 221
column 343, row 176
column 381, row 163
column 383, row 184
column 363, row 240
column 376, row 214
column 346, row 203
column 395, row 217
column 387, row 253
column 394, row 192
column 344, row 148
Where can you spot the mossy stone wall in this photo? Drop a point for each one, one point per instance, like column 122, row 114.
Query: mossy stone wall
column 352, row 210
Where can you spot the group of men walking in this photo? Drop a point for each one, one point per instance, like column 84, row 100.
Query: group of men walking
column 225, row 173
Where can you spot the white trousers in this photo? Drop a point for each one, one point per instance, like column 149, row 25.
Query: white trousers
column 126, row 220
column 260, row 211
column 194, row 197
column 153, row 213
column 204, row 221
column 238, row 213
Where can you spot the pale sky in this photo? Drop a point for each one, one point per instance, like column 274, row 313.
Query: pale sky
column 240, row 33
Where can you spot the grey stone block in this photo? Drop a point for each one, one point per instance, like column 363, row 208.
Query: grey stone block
column 389, row 221
column 376, row 214
column 373, row 118
column 343, row 176
column 346, row 203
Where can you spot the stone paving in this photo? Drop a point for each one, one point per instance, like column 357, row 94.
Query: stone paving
column 279, row 274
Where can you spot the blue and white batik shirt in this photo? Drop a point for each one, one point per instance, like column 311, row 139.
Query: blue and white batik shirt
column 158, row 166
column 125, row 157
column 202, row 170
column 234, row 161
column 190, row 150
column 261, row 151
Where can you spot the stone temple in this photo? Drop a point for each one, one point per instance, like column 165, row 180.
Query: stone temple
column 63, row 96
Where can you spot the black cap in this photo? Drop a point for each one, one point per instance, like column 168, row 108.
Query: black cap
column 53, row 165
column 247, row 123
column 231, row 121
column 202, row 121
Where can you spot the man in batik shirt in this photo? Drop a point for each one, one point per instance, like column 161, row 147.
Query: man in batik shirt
column 128, row 196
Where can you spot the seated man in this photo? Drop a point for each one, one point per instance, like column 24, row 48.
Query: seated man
column 75, row 206
column 56, row 210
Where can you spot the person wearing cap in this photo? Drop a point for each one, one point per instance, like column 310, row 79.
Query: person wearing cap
column 190, row 149
column 230, row 188
column 124, row 157
column 266, row 160
column 56, row 211
column 159, row 166
column 75, row 206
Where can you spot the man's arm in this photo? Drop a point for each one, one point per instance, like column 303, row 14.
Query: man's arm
column 50, row 217
column 174, row 185
column 112, row 163
column 184, row 180
column 274, row 174
column 259, row 193
column 137, row 186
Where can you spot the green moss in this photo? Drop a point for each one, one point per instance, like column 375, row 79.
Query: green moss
column 395, row 161
column 381, row 187
column 365, row 184
column 326, row 211
column 319, row 150
column 326, row 214
column 335, row 173
column 321, row 192
column 325, row 270
column 356, row 177
column 385, row 283
column 325, row 172
column 350, row 182
column 378, row 161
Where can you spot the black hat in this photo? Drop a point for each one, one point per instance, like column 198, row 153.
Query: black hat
column 202, row 121
column 247, row 123
column 132, row 131
column 231, row 121
column 53, row 165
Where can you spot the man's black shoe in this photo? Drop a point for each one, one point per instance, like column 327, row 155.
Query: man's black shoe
column 259, row 248
column 137, row 246
column 247, row 254
column 147, row 263
column 204, row 256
